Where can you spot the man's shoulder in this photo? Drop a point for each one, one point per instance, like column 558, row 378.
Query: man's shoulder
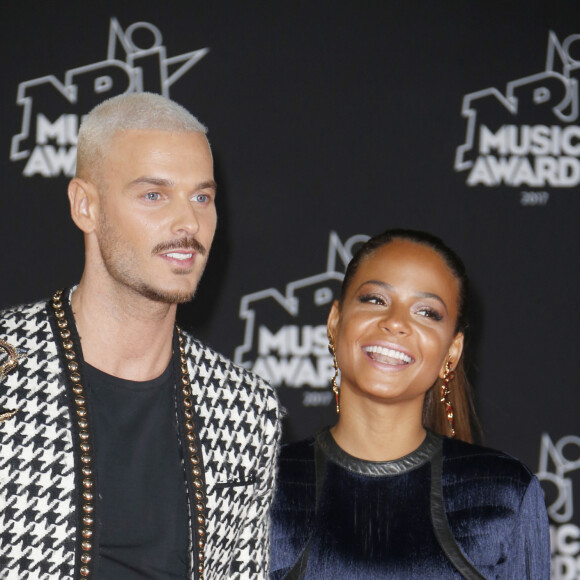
column 202, row 354
column 22, row 312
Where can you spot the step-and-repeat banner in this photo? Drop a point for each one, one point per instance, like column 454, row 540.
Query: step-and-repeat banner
column 330, row 122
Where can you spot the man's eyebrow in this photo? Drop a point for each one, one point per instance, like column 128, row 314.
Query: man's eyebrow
column 166, row 182
column 210, row 184
column 387, row 286
column 151, row 180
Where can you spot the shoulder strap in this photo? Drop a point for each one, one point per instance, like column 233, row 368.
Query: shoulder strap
column 299, row 569
column 441, row 527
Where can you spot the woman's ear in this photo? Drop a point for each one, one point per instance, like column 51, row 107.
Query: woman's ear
column 453, row 354
column 333, row 320
column 82, row 197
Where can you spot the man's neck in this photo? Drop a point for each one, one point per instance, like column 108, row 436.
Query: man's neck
column 123, row 334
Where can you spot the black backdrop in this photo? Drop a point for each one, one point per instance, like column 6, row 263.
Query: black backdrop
column 330, row 121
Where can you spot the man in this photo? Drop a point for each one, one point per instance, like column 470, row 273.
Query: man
column 129, row 449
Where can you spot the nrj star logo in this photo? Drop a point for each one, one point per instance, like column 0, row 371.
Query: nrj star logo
column 285, row 337
column 559, row 472
column 528, row 136
column 52, row 109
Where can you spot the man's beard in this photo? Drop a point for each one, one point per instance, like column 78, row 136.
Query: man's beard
column 125, row 270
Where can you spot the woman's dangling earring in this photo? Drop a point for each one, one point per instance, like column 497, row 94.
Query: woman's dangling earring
column 335, row 387
column 447, row 378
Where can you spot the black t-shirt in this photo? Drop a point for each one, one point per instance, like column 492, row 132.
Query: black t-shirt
column 141, row 482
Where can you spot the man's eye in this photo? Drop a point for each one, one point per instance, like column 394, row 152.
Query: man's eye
column 201, row 198
column 152, row 195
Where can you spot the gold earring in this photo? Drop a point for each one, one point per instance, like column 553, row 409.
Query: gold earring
column 335, row 387
column 447, row 378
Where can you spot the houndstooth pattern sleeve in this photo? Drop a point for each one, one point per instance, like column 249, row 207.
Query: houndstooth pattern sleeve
column 37, row 516
column 251, row 558
column 239, row 430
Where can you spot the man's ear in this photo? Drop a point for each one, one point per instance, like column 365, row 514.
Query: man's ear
column 83, row 204
column 453, row 354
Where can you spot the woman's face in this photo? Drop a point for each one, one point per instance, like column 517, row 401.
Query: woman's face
column 396, row 327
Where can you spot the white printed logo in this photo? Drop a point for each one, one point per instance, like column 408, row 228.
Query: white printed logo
column 285, row 336
column 529, row 136
column 52, row 109
column 559, row 464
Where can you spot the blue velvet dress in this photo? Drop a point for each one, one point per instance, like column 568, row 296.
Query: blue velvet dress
column 447, row 510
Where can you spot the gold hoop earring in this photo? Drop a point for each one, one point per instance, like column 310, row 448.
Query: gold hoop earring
column 335, row 387
column 447, row 378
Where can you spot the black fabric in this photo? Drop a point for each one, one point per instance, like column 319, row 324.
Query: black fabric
column 441, row 525
column 372, row 520
column 143, row 504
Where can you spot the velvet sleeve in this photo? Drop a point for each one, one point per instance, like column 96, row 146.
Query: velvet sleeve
column 529, row 551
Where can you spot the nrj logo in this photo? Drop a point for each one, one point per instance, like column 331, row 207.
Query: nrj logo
column 528, row 136
column 52, row 109
column 559, row 470
column 285, row 336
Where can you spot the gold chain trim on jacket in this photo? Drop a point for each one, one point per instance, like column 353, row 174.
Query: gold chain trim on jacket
column 83, row 443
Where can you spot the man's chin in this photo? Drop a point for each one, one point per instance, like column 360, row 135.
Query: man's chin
column 165, row 296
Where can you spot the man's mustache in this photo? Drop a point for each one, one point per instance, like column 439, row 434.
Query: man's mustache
column 180, row 244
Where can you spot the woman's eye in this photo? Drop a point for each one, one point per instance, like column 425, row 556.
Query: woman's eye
column 372, row 299
column 430, row 313
column 152, row 196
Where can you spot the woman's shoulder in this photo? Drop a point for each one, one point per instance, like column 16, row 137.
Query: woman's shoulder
column 479, row 462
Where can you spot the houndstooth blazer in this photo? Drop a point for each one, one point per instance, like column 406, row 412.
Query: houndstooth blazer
column 46, row 498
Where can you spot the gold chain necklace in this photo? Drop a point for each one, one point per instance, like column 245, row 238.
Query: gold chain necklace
column 83, row 443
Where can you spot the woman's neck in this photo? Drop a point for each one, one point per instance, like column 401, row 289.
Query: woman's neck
column 379, row 431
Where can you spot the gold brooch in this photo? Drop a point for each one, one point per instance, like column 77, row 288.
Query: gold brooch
column 7, row 366
column 13, row 355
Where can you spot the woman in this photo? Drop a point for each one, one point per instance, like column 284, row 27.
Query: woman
column 383, row 493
